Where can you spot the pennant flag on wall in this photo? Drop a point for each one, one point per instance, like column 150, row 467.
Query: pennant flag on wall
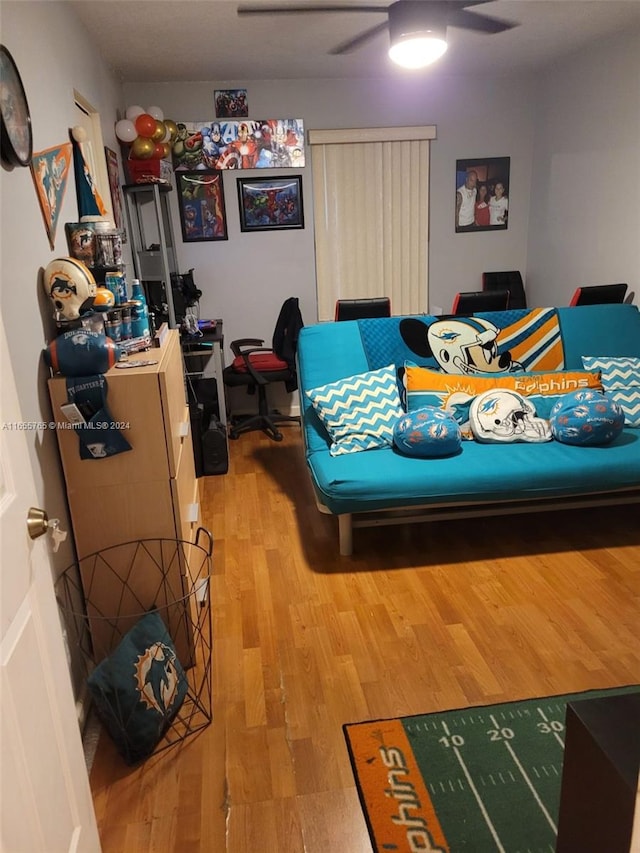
column 50, row 170
column 89, row 201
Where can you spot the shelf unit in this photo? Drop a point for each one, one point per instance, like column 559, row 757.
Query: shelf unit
column 148, row 492
column 153, row 244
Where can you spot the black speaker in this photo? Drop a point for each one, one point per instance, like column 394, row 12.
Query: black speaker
column 215, row 456
column 210, row 450
column 196, row 415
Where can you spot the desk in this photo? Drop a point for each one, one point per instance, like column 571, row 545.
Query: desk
column 210, row 347
column 600, row 775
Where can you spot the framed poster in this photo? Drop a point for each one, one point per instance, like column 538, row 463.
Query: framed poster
column 231, row 103
column 113, row 171
column 482, row 194
column 270, row 204
column 201, row 204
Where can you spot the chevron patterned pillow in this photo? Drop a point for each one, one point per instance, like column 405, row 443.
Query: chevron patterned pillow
column 359, row 412
column 621, row 382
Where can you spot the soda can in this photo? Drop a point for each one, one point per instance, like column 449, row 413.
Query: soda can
column 123, row 288
column 126, row 323
column 113, row 326
column 112, row 281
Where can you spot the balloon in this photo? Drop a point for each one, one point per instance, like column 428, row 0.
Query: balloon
column 145, row 125
column 126, row 130
column 158, row 151
column 167, row 135
column 142, row 148
column 172, row 127
column 79, row 133
column 159, row 132
column 166, row 149
column 156, row 112
column 133, row 112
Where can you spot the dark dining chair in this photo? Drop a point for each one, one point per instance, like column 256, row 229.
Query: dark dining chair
column 510, row 280
column 470, row 302
column 599, row 294
column 359, row 309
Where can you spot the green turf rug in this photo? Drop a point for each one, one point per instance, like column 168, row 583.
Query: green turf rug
column 478, row 779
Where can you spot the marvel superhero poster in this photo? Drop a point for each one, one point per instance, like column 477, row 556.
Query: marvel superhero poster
column 246, row 144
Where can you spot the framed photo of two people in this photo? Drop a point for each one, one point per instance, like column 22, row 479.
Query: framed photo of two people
column 482, row 194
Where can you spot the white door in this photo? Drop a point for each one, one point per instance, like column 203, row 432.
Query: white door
column 45, row 794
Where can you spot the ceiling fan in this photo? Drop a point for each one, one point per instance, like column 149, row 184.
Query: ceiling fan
column 417, row 28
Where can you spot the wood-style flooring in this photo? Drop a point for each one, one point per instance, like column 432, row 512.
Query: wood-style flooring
column 423, row 617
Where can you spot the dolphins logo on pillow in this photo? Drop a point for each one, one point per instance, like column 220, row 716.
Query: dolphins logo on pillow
column 505, row 416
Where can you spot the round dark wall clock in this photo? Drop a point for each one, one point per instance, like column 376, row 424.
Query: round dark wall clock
column 16, row 142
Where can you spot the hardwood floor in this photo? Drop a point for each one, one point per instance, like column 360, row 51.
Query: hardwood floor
column 422, row 618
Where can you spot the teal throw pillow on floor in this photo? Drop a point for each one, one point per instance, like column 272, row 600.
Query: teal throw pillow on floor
column 139, row 688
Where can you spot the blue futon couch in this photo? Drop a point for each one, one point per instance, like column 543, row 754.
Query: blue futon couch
column 383, row 485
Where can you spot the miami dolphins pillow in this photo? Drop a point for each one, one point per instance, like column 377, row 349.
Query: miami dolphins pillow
column 427, row 433
column 586, row 418
column 139, row 688
column 621, row 382
column 359, row 412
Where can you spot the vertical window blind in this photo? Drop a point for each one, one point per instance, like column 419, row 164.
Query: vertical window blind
column 371, row 205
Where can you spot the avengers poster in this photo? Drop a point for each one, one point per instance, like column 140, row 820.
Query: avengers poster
column 202, row 212
column 247, row 144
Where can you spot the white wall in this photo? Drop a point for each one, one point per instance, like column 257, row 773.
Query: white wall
column 245, row 279
column 54, row 57
column 584, row 226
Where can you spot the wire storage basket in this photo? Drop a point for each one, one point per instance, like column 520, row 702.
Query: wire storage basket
column 105, row 595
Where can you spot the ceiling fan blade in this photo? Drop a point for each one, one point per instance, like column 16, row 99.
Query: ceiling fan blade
column 358, row 41
column 480, row 23
column 297, row 10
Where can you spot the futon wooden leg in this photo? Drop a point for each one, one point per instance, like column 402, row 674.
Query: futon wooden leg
column 345, row 528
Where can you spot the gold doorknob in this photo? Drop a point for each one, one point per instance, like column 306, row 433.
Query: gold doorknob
column 37, row 522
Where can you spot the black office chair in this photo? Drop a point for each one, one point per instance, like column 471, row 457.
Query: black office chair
column 359, row 309
column 510, row 280
column 599, row 294
column 256, row 367
column 473, row 301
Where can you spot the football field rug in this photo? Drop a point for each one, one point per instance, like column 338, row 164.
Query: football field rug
column 477, row 780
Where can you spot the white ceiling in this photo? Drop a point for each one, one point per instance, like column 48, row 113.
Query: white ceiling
column 205, row 40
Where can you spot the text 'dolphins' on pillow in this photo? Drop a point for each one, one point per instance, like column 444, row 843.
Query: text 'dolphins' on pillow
column 359, row 412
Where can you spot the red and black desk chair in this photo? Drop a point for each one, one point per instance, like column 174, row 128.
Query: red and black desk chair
column 256, row 367
column 510, row 280
column 599, row 294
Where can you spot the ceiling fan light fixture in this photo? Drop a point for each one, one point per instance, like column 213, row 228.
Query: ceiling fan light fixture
column 417, row 50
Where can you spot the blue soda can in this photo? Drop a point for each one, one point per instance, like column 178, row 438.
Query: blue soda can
column 113, row 326
column 126, row 323
column 123, row 288
column 112, row 283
